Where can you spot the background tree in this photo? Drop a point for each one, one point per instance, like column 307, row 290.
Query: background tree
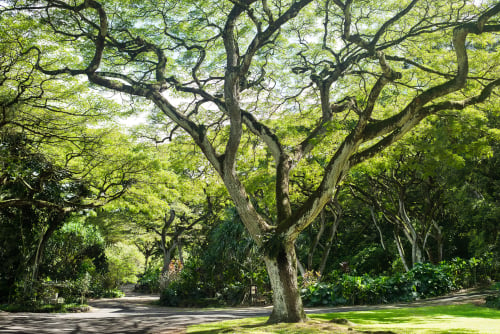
column 419, row 183
column 359, row 75
column 165, row 208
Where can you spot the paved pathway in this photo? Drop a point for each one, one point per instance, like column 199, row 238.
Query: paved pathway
column 135, row 314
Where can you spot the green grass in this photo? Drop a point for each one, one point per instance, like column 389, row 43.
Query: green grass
column 456, row 319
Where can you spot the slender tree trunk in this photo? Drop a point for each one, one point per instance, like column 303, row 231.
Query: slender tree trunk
column 179, row 250
column 329, row 243
column 415, row 252
column 439, row 241
column 301, row 268
column 401, row 251
column 374, row 218
column 315, row 243
column 282, row 270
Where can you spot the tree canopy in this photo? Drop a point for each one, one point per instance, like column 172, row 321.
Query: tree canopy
column 303, row 85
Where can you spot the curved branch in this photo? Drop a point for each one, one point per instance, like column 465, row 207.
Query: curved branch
column 388, row 23
column 397, row 126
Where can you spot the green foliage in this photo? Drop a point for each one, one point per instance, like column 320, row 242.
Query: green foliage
column 372, row 259
column 423, row 281
column 39, row 190
column 76, row 249
column 149, row 281
column 103, row 286
column 76, row 290
column 45, row 308
column 494, row 300
column 125, row 263
column 188, row 288
column 186, row 60
column 222, row 271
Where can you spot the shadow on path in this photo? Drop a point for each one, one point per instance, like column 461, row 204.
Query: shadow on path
column 130, row 314
column 135, row 314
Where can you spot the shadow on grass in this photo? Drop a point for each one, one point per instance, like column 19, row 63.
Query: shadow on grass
column 414, row 315
column 229, row 330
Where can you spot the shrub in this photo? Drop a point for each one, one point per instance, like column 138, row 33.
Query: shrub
column 192, row 285
column 423, row 281
column 428, row 280
column 494, row 301
column 75, row 291
column 149, row 281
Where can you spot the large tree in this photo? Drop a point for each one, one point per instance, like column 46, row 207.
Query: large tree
column 355, row 76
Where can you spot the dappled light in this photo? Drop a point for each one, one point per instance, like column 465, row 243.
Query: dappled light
column 169, row 163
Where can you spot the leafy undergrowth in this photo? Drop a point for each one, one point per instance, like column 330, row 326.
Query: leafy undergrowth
column 419, row 320
column 46, row 308
column 494, row 300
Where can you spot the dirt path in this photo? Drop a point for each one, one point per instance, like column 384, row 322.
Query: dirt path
column 135, row 314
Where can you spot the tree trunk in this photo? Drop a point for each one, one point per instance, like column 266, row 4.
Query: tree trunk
column 329, row 243
column 179, row 250
column 317, row 238
column 374, row 218
column 282, row 270
column 401, row 251
column 54, row 224
column 302, row 270
column 439, row 241
column 168, row 252
column 166, row 249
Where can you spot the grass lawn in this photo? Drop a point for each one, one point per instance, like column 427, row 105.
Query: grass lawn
column 457, row 319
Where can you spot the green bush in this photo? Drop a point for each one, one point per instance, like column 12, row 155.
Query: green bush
column 76, row 291
column 149, row 281
column 494, row 301
column 182, row 287
column 428, row 280
column 104, row 286
column 194, row 286
column 423, row 281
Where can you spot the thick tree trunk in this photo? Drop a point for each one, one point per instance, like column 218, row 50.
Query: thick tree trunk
column 282, row 270
column 168, row 252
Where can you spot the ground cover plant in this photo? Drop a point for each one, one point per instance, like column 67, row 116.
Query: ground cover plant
column 465, row 318
column 494, row 300
column 424, row 280
column 45, row 308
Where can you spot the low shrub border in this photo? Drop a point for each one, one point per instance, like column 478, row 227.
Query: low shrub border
column 423, row 281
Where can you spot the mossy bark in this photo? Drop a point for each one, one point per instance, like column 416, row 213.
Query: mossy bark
column 282, row 270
